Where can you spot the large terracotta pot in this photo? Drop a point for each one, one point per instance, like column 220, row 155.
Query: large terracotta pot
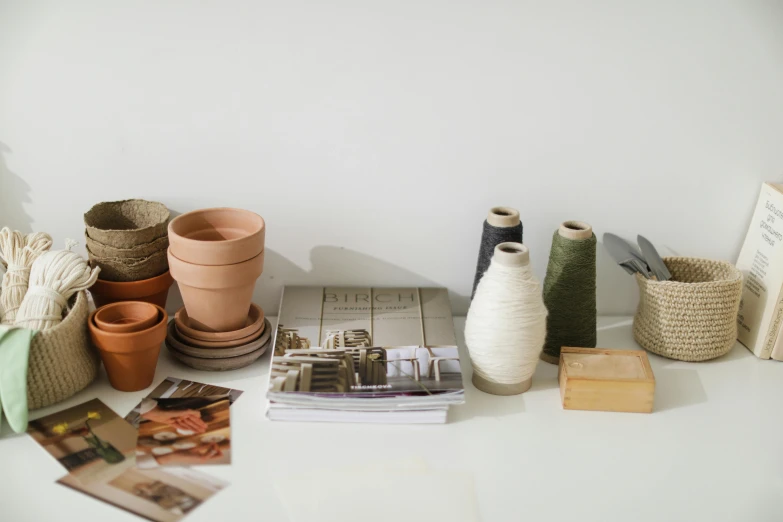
column 217, row 297
column 154, row 290
column 130, row 358
column 217, row 236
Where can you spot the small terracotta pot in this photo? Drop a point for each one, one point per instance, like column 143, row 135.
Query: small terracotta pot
column 130, row 358
column 126, row 317
column 217, row 297
column 253, row 325
column 154, row 290
column 217, row 236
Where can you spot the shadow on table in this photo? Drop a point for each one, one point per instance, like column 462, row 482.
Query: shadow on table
column 479, row 404
column 677, row 388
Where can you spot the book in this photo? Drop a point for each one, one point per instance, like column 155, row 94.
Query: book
column 761, row 263
column 360, row 354
column 777, row 349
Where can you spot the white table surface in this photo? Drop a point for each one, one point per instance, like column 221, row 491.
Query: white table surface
column 711, row 450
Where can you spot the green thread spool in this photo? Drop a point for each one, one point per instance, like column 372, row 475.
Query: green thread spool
column 569, row 290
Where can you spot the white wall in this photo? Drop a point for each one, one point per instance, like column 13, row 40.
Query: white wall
column 374, row 136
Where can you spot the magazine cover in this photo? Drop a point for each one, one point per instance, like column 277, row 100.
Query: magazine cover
column 365, row 343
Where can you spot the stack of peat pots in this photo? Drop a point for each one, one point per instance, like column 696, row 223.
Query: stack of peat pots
column 128, row 240
column 216, row 255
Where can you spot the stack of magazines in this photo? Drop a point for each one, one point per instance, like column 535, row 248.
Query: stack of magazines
column 386, row 355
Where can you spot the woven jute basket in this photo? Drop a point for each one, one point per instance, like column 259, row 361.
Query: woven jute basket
column 128, row 223
column 63, row 360
column 692, row 317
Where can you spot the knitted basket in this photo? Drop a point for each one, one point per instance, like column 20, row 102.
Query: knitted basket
column 63, row 360
column 692, row 317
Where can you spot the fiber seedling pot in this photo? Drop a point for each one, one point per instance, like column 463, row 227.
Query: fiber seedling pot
column 128, row 223
column 217, row 298
column 132, row 269
column 154, row 290
column 217, row 236
column 126, row 317
column 99, row 249
column 253, row 325
column 130, row 358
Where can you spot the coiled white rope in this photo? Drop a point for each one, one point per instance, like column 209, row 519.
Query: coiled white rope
column 506, row 324
column 18, row 253
column 54, row 277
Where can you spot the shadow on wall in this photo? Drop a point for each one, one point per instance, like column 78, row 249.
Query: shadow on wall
column 332, row 265
column 616, row 288
column 14, row 193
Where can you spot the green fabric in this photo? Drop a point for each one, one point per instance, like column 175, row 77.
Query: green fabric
column 14, row 354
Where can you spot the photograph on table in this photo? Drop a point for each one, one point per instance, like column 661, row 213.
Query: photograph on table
column 91, row 441
column 160, row 495
column 191, row 431
column 365, row 342
column 175, row 388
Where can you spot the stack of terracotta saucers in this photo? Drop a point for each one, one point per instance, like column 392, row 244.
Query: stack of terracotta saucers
column 216, row 255
column 219, row 350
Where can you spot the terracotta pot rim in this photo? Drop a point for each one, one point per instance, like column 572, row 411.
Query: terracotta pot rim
column 256, row 315
column 131, row 342
column 146, row 318
column 133, row 289
column 189, row 236
column 259, row 222
column 214, row 276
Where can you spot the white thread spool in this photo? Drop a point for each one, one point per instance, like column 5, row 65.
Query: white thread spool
column 506, row 324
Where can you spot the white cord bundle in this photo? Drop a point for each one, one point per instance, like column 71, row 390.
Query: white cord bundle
column 55, row 276
column 506, row 325
column 18, row 252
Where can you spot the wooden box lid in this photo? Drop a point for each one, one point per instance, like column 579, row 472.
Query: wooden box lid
column 606, row 380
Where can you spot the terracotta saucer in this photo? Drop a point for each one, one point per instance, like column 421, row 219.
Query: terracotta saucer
column 219, row 365
column 216, row 344
column 254, row 323
column 175, row 342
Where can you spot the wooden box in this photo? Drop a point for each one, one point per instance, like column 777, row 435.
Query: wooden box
column 606, row 380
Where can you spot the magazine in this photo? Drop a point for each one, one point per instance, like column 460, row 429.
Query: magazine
column 365, row 349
